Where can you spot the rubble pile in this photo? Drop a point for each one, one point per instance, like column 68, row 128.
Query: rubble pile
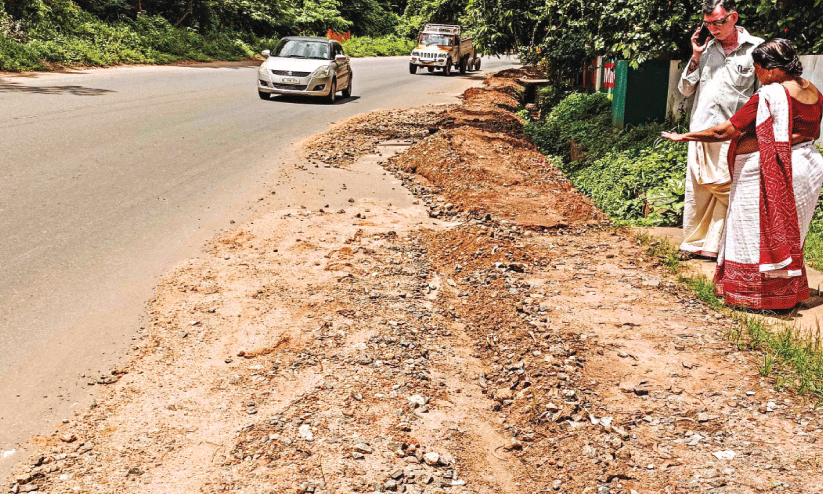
column 354, row 137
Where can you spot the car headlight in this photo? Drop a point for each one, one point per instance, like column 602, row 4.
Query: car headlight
column 262, row 69
column 441, row 56
column 323, row 71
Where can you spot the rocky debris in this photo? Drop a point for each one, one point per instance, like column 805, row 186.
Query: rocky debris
column 351, row 138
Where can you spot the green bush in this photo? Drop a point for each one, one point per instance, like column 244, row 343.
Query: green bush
column 383, row 46
column 644, row 184
column 631, row 175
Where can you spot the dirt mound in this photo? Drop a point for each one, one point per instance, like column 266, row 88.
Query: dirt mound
column 488, row 173
column 489, row 120
column 363, row 133
column 481, row 98
column 507, row 81
column 490, row 108
column 482, row 164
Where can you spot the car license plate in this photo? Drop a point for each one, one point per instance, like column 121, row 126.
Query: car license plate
column 290, row 80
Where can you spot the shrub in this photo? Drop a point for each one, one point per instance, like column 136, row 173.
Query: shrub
column 645, row 184
column 631, row 175
column 383, row 46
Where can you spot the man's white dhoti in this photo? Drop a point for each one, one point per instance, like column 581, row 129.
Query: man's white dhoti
column 707, row 197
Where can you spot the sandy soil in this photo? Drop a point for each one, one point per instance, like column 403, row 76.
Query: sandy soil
column 490, row 335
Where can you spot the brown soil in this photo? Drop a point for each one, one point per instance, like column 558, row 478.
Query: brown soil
column 497, row 325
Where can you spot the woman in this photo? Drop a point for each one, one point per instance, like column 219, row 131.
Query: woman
column 776, row 182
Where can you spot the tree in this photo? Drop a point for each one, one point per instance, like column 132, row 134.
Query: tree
column 369, row 17
column 318, row 16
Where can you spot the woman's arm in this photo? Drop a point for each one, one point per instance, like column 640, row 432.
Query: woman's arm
column 718, row 133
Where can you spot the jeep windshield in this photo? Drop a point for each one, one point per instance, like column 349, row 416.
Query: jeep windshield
column 296, row 48
column 435, row 39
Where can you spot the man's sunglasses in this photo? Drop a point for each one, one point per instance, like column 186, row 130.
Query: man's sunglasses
column 718, row 23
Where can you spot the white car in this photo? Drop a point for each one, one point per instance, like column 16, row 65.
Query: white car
column 307, row 67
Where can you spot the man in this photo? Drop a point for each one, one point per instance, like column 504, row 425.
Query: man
column 721, row 75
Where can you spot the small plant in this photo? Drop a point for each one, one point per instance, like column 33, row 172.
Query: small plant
column 768, row 365
column 662, row 249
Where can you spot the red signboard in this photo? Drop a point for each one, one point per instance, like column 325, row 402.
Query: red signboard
column 608, row 75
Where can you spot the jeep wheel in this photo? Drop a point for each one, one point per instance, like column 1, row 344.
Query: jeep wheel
column 431, row 69
column 412, row 68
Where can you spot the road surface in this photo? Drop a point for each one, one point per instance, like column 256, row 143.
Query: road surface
column 110, row 176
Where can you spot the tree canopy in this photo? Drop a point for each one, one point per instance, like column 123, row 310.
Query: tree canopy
column 560, row 33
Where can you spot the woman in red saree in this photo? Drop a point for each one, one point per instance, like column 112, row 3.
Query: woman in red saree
column 776, row 179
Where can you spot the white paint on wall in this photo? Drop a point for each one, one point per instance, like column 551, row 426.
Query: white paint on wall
column 677, row 105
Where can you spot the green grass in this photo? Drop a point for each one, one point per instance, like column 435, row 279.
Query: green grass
column 813, row 250
column 792, row 357
column 662, row 249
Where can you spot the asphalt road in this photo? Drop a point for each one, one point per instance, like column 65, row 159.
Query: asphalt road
column 109, row 177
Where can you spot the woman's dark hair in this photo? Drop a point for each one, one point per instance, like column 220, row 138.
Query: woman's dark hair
column 778, row 53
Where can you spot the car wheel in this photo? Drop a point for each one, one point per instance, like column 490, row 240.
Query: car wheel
column 447, row 69
column 347, row 91
column 412, row 68
column 464, row 63
column 477, row 63
column 263, row 95
column 431, row 69
column 332, row 92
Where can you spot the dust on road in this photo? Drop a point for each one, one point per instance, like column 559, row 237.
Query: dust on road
column 493, row 335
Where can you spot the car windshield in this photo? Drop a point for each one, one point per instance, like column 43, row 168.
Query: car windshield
column 435, row 39
column 294, row 48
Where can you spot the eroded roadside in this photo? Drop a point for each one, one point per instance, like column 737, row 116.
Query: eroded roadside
column 487, row 334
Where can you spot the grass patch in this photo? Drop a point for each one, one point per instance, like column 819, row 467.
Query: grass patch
column 67, row 36
column 703, row 289
column 813, row 249
column 662, row 249
column 792, row 357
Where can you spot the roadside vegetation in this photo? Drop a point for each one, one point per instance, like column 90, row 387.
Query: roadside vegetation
column 562, row 35
column 47, row 34
column 384, row 46
column 632, row 175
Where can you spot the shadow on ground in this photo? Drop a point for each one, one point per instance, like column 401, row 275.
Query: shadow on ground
column 14, row 87
column 288, row 98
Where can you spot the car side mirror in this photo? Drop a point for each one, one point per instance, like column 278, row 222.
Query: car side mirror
column 340, row 58
column 266, row 53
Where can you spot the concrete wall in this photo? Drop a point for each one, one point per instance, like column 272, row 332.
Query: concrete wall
column 812, row 70
column 677, row 103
